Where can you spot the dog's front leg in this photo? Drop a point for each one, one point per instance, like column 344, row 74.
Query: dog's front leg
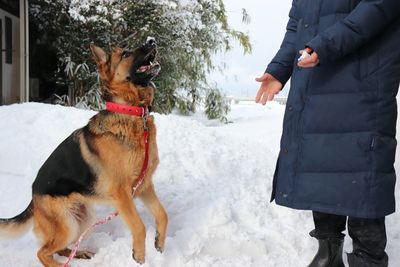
column 124, row 204
column 152, row 202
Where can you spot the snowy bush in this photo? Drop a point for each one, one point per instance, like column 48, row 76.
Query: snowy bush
column 188, row 33
column 216, row 105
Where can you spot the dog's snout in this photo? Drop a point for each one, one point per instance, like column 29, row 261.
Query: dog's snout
column 151, row 41
column 150, row 44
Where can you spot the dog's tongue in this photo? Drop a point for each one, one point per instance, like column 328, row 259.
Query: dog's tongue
column 143, row 68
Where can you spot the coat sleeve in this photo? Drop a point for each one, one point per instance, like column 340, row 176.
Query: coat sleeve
column 281, row 66
column 368, row 19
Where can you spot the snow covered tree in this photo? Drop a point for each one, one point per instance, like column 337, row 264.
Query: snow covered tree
column 188, row 34
column 57, row 25
column 216, row 105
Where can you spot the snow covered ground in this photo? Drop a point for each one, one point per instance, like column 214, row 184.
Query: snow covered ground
column 214, row 180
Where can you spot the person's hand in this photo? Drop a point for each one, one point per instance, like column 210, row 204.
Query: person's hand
column 309, row 62
column 270, row 86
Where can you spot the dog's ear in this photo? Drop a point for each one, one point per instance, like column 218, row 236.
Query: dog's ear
column 99, row 55
column 116, row 49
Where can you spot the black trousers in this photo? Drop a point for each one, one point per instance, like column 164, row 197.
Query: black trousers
column 369, row 237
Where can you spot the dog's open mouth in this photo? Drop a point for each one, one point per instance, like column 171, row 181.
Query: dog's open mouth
column 145, row 66
column 149, row 65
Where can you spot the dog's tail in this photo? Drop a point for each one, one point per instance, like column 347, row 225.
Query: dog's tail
column 18, row 225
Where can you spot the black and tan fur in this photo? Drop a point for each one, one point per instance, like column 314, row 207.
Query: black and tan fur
column 99, row 164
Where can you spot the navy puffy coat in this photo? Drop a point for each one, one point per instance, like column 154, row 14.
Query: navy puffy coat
column 338, row 143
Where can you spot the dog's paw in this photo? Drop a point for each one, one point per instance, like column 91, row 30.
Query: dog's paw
column 139, row 258
column 158, row 244
column 86, row 255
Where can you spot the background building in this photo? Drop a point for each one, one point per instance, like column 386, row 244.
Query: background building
column 14, row 78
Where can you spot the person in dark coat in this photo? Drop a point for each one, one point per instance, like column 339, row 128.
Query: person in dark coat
column 338, row 143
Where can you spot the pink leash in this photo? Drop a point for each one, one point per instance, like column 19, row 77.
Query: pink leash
column 137, row 183
column 78, row 243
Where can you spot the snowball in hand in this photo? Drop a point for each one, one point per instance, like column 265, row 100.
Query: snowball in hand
column 304, row 55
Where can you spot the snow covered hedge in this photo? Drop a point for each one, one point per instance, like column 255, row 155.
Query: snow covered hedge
column 189, row 33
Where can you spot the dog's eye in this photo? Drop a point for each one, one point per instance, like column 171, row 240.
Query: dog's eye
column 126, row 54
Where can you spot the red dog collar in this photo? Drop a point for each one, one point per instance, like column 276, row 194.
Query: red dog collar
column 127, row 110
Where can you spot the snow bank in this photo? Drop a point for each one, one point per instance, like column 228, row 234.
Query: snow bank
column 214, row 180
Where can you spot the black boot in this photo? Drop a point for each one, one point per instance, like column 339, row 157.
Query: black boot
column 359, row 259
column 369, row 243
column 329, row 253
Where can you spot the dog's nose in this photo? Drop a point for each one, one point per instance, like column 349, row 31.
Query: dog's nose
column 149, row 45
column 151, row 41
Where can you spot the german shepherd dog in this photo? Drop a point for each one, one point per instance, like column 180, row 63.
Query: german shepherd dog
column 99, row 163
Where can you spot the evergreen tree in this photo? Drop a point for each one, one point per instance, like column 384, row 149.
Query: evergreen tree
column 188, row 34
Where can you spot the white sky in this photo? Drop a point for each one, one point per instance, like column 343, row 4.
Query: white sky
column 266, row 30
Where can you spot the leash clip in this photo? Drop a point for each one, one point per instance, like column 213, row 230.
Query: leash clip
column 145, row 116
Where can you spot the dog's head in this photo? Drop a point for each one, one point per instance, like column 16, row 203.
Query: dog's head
column 125, row 73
